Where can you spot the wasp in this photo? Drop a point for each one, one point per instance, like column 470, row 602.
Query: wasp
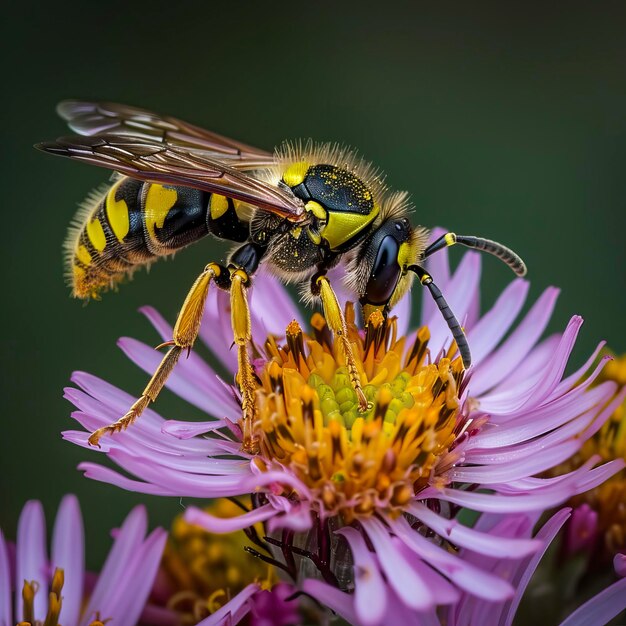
column 302, row 210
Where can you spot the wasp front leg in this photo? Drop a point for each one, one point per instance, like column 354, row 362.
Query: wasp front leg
column 320, row 285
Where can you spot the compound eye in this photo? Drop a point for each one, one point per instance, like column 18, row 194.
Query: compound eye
column 385, row 273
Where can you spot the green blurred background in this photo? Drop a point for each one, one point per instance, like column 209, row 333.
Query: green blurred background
column 507, row 121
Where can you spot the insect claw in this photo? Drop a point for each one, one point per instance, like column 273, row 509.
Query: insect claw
column 165, row 344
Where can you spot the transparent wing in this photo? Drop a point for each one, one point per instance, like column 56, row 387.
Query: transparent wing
column 168, row 164
column 108, row 118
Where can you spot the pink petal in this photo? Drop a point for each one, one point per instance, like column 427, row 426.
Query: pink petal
column 216, row 331
column 32, row 558
column 336, row 600
column 187, row 430
column 573, row 379
column 68, row 553
column 210, row 396
column 493, row 503
column 126, row 544
column 402, row 311
column 540, row 421
column 514, row 470
column 410, row 587
column 370, row 593
column 107, row 475
column 458, row 293
column 5, row 585
column 219, row 525
column 298, row 518
column 438, row 267
column 494, row 324
column 271, row 304
column 242, row 599
column 467, row 537
column 547, row 533
column 463, row 574
column 137, row 580
column 506, row 358
column 443, row 591
column 534, row 390
column 602, row 608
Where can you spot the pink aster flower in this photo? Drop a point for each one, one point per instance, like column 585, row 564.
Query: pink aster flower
column 342, row 493
column 37, row 589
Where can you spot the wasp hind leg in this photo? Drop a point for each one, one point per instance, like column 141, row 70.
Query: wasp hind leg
column 183, row 338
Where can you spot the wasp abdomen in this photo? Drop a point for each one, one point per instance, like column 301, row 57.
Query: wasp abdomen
column 133, row 223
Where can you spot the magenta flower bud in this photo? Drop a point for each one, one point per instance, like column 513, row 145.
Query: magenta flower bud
column 581, row 530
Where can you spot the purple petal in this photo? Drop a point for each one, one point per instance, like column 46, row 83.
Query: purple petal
column 458, row 293
column 336, row 600
column 133, row 588
column 540, row 421
column 187, row 430
column 68, row 553
column 438, row 267
column 5, row 585
column 492, row 326
column 297, row 518
column 572, row 379
column 370, row 593
column 514, row 470
column 545, row 535
column 216, row 331
column 601, row 608
column 443, row 591
column 402, row 311
column 230, row 608
column 179, row 483
column 272, row 305
column 506, row 358
column 107, row 475
column 31, row 557
column 467, row 576
column 126, row 544
column 219, row 525
column 209, row 396
column 466, row 537
column 493, row 503
column 410, row 587
column 595, row 477
column 535, row 390
column 537, row 445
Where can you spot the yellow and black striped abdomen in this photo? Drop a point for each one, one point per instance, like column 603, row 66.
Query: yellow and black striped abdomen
column 129, row 225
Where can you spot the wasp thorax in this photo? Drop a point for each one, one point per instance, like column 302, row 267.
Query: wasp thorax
column 335, row 188
column 357, row 462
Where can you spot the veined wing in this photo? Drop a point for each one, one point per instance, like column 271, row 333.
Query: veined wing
column 167, row 164
column 109, row 118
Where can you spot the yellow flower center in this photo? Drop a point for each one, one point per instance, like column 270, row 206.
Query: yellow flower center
column 357, row 462
column 206, row 570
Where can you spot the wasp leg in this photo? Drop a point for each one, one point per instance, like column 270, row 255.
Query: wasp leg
column 337, row 323
column 242, row 332
column 183, row 337
column 505, row 254
column 448, row 315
